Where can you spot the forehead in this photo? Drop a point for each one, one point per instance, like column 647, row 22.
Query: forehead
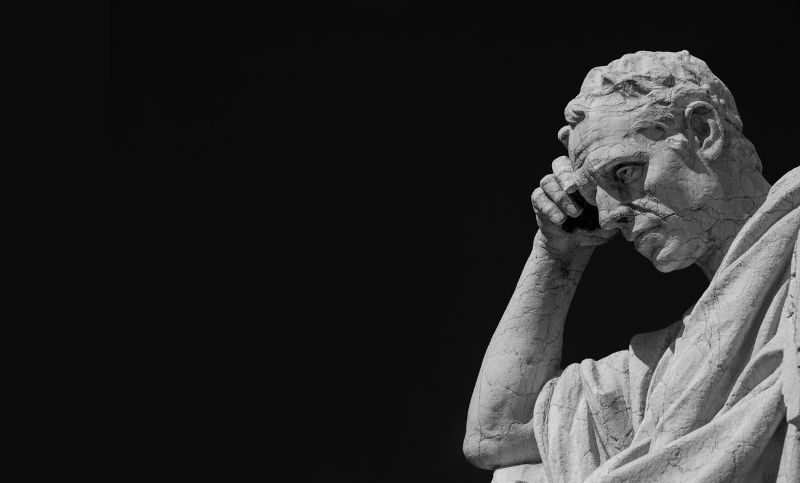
column 603, row 135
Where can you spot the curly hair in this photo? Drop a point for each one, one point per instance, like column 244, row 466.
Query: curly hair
column 660, row 79
column 656, row 85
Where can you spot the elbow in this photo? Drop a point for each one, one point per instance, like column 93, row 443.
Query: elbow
column 490, row 451
column 481, row 452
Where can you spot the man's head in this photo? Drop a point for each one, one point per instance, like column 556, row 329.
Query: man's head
column 657, row 144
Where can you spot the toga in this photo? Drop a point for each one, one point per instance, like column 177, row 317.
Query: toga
column 713, row 397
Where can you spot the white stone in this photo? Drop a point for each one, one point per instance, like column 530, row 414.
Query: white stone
column 656, row 155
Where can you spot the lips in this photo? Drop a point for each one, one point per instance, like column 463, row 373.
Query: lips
column 645, row 242
column 638, row 236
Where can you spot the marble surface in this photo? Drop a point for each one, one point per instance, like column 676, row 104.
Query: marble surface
column 657, row 155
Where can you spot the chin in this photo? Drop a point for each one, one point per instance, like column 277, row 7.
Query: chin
column 665, row 263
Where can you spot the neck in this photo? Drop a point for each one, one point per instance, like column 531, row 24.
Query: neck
column 710, row 262
column 742, row 200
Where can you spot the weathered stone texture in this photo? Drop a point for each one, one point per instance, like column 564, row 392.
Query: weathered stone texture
column 656, row 154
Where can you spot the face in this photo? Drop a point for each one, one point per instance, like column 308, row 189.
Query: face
column 649, row 185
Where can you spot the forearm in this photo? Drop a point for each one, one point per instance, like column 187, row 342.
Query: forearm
column 524, row 353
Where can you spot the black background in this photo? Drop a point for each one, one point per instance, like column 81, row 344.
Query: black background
column 332, row 209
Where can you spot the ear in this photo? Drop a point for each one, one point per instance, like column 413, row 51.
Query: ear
column 705, row 129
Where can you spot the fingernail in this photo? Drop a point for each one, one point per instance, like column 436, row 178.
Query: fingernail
column 573, row 210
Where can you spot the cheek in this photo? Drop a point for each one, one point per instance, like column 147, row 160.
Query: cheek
column 676, row 185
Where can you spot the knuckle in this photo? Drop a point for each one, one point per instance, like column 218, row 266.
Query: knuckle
column 561, row 163
column 548, row 180
column 556, row 216
column 558, row 195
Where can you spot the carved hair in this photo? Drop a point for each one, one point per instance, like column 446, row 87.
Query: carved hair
column 652, row 78
column 655, row 85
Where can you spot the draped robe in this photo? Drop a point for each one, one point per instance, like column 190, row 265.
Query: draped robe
column 714, row 397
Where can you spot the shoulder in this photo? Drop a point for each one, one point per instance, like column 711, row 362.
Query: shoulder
column 788, row 182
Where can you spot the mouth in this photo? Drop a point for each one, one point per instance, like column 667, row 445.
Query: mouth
column 638, row 236
column 646, row 242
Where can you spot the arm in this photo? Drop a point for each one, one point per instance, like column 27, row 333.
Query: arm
column 525, row 350
column 524, row 353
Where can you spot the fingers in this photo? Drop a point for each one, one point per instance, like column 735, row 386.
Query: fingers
column 554, row 190
column 562, row 169
column 551, row 199
column 545, row 207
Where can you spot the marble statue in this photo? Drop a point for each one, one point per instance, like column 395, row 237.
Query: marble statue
column 657, row 155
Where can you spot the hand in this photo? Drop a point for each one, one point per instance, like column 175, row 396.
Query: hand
column 567, row 223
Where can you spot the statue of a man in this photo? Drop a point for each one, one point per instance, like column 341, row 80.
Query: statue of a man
column 656, row 154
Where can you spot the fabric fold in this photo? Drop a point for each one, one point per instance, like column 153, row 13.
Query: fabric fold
column 713, row 397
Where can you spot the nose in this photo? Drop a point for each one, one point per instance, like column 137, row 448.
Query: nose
column 611, row 212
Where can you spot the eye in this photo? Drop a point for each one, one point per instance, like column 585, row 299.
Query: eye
column 627, row 173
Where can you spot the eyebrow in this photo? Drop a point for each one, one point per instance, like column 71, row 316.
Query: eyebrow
column 644, row 122
column 641, row 121
column 578, row 160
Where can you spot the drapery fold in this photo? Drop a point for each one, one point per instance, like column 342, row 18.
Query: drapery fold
column 713, row 397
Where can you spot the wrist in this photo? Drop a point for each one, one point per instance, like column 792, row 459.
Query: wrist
column 574, row 257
